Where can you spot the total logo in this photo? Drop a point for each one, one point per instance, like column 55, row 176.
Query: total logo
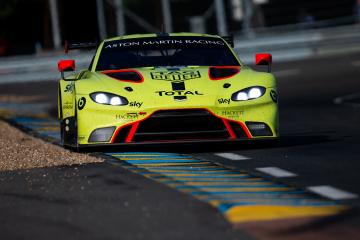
column 136, row 104
column 224, row 101
column 178, row 93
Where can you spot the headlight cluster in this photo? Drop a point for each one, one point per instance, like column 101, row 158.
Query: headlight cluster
column 248, row 93
column 108, row 99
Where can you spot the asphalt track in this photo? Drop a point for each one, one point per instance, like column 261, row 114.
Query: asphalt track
column 319, row 147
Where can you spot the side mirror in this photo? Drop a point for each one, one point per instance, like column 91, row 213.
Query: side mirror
column 264, row 59
column 66, row 66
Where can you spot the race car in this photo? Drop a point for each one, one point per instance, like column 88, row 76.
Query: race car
column 165, row 88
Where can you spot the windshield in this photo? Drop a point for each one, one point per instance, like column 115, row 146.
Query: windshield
column 165, row 51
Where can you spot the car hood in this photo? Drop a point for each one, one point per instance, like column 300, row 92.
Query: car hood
column 169, row 87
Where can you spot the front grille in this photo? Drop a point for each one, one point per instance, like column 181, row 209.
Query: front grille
column 172, row 125
column 181, row 125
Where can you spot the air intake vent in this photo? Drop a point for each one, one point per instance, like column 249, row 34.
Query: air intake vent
column 125, row 75
column 219, row 73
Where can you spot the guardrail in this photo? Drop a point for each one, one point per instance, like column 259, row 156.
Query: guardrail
column 39, row 67
column 292, row 45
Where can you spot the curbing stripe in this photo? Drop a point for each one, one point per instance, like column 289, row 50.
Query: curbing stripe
column 241, row 197
column 270, row 191
column 240, row 214
column 233, row 187
column 160, row 161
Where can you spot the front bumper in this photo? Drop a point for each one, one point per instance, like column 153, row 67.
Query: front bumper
column 200, row 123
column 183, row 125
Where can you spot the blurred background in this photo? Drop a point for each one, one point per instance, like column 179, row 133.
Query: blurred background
column 29, row 26
column 289, row 29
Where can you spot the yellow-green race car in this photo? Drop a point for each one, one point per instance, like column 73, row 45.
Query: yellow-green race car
column 165, row 88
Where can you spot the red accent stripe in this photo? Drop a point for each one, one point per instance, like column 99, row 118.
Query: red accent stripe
column 132, row 132
column 135, row 125
column 118, row 130
column 228, row 127
column 246, row 130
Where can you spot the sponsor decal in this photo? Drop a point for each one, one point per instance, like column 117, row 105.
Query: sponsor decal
column 177, row 93
column 175, row 76
column 67, row 105
column 231, row 114
column 81, row 103
column 130, row 116
column 69, row 88
column 135, row 104
column 274, row 96
column 177, row 79
column 224, row 101
column 127, row 116
column 124, row 43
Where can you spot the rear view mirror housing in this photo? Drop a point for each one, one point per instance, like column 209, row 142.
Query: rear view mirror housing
column 66, row 66
column 264, row 59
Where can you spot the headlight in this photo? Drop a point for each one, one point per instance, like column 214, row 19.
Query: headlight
column 248, row 93
column 108, row 99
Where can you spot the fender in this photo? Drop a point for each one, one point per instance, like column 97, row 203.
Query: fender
column 67, row 99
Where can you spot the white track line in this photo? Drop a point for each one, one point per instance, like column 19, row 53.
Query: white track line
column 345, row 99
column 232, row 156
column 332, row 193
column 276, row 172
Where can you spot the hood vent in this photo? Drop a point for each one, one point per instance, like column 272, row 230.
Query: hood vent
column 127, row 75
column 223, row 72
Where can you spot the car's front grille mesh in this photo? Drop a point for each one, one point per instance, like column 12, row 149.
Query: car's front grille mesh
column 181, row 125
